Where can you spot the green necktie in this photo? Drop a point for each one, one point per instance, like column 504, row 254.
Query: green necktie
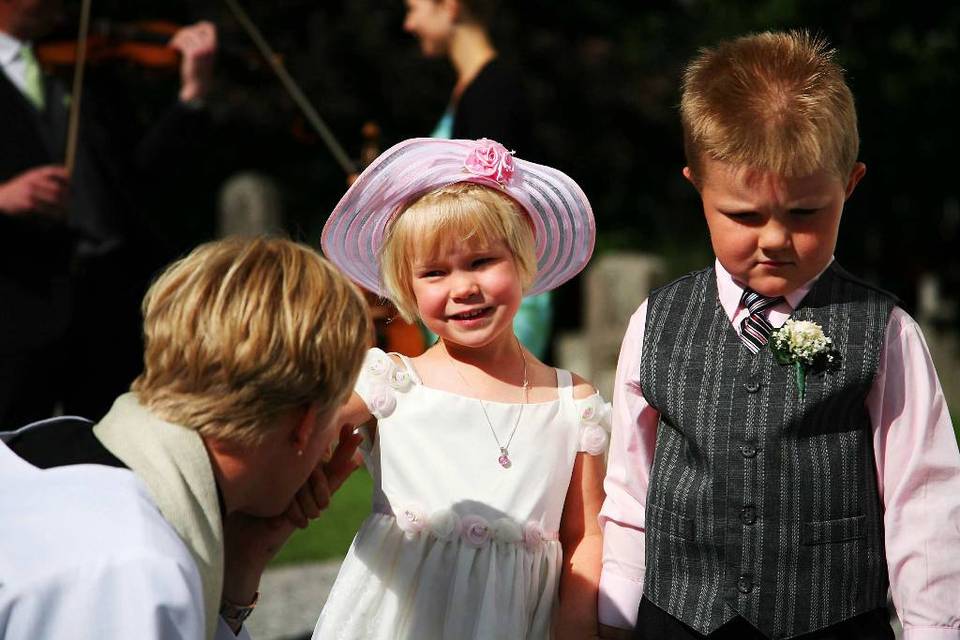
column 32, row 77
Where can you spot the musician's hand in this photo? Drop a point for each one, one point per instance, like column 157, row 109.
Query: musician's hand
column 197, row 45
column 41, row 191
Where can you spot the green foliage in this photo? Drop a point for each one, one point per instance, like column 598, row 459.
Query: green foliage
column 329, row 536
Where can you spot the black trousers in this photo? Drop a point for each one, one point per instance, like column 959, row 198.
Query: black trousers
column 654, row 623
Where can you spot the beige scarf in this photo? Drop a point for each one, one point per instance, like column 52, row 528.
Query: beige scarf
column 173, row 463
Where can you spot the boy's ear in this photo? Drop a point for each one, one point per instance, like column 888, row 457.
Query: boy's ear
column 688, row 174
column 859, row 169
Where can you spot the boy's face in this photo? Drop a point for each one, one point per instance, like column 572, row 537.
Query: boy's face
column 773, row 234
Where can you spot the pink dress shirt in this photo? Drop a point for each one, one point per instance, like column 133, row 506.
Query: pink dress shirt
column 918, row 473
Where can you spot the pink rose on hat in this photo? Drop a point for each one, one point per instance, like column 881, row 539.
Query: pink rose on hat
column 491, row 160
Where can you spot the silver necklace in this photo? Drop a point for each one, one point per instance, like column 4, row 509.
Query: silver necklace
column 504, row 448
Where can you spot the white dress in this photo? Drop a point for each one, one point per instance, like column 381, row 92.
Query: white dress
column 457, row 546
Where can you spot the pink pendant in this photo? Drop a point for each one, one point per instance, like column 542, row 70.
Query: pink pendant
column 504, row 461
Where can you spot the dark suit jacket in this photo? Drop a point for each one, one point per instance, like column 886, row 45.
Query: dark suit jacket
column 35, row 252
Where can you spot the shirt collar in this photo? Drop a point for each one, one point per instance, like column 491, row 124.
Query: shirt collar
column 730, row 291
column 9, row 48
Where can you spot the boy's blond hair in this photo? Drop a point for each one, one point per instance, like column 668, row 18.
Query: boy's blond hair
column 451, row 216
column 774, row 102
column 242, row 330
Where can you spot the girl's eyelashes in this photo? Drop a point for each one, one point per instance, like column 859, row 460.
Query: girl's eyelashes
column 479, row 262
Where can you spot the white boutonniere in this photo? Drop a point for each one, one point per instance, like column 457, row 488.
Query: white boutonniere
column 803, row 344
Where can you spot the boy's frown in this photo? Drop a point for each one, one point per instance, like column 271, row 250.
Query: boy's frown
column 772, row 233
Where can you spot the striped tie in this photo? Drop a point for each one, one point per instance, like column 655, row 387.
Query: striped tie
column 755, row 329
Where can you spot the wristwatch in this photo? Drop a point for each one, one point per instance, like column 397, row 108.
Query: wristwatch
column 234, row 614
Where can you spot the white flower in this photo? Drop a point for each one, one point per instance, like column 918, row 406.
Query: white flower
column 506, row 530
column 591, row 409
column 400, row 379
column 382, row 401
column 411, row 520
column 444, row 524
column 593, row 439
column 802, row 339
column 380, row 366
column 475, row 530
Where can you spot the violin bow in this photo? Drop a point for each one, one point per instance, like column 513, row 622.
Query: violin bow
column 73, row 125
column 293, row 89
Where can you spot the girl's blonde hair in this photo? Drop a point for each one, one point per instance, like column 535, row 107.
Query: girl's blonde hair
column 452, row 215
column 242, row 330
column 775, row 102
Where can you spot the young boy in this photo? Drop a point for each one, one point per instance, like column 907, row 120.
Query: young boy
column 754, row 494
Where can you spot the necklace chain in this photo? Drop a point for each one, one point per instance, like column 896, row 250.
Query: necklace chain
column 504, row 458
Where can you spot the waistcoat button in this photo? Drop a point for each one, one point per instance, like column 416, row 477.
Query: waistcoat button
column 748, row 515
column 748, row 450
column 745, row 583
column 752, row 386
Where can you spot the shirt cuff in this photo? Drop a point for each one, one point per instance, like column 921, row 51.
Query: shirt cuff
column 618, row 600
column 930, row 633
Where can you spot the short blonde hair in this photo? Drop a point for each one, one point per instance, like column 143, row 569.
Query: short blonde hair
column 459, row 213
column 775, row 102
column 243, row 330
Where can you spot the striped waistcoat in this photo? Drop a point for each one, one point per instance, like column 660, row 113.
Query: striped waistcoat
column 761, row 504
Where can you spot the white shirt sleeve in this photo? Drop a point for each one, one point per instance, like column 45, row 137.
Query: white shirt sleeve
column 224, row 632
column 138, row 596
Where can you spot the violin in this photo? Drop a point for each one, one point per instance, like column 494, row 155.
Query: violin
column 143, row 43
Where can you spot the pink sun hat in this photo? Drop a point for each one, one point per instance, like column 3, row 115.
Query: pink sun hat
column 563, row 224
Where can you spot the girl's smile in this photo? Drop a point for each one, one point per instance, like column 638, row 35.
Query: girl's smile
column 468, row 294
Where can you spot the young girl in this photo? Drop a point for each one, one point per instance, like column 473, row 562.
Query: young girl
column 487, row 464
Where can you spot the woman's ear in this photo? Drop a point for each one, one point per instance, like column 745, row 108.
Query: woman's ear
column 688, row 174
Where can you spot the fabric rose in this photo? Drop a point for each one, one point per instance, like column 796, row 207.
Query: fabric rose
column 382, row 402
column 532, row 535
column 593, row 439
column 591, row 409
column 491, row 160
column 411, row 520
column 506, row 530
column 444, row 524
column 380, row 366
column 400, row 379
column 474, row 530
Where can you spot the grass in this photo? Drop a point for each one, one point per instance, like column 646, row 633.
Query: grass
column 329, row 536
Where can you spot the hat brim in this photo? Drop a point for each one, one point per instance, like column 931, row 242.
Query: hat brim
column 563, row 223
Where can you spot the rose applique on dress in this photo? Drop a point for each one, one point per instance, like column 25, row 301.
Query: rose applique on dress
column 594, row 416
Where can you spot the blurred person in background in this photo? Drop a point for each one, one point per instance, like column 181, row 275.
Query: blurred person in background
column 74, row 258
column 488, row 101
